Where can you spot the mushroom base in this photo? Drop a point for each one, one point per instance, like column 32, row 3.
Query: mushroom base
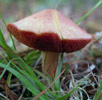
column 49, row 62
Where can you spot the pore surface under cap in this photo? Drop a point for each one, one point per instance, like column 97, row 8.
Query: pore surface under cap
column 49, row 30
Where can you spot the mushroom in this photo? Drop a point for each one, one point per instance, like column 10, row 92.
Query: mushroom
column 52, row 33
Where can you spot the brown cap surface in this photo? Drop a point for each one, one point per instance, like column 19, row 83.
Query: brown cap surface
column 50, row 30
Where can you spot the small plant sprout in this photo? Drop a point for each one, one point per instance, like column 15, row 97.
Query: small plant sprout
column 52, row 33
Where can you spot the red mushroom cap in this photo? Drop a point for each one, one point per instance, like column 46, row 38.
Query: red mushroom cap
column 50, row 30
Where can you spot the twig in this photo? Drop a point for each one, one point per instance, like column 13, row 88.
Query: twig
column 48, row 86
column 99, row 97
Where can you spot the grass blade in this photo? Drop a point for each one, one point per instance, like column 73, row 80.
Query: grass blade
column 2, row 19
column 72, row 91
column 57, row 83
column 89, row 12
column 99, row 92
column 25, row 80
column 11, row 37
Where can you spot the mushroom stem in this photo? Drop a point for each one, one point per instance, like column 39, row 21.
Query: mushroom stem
column 49, row 62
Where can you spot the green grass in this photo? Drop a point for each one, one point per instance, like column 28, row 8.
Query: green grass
column 89, row 12
column 22, row 69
